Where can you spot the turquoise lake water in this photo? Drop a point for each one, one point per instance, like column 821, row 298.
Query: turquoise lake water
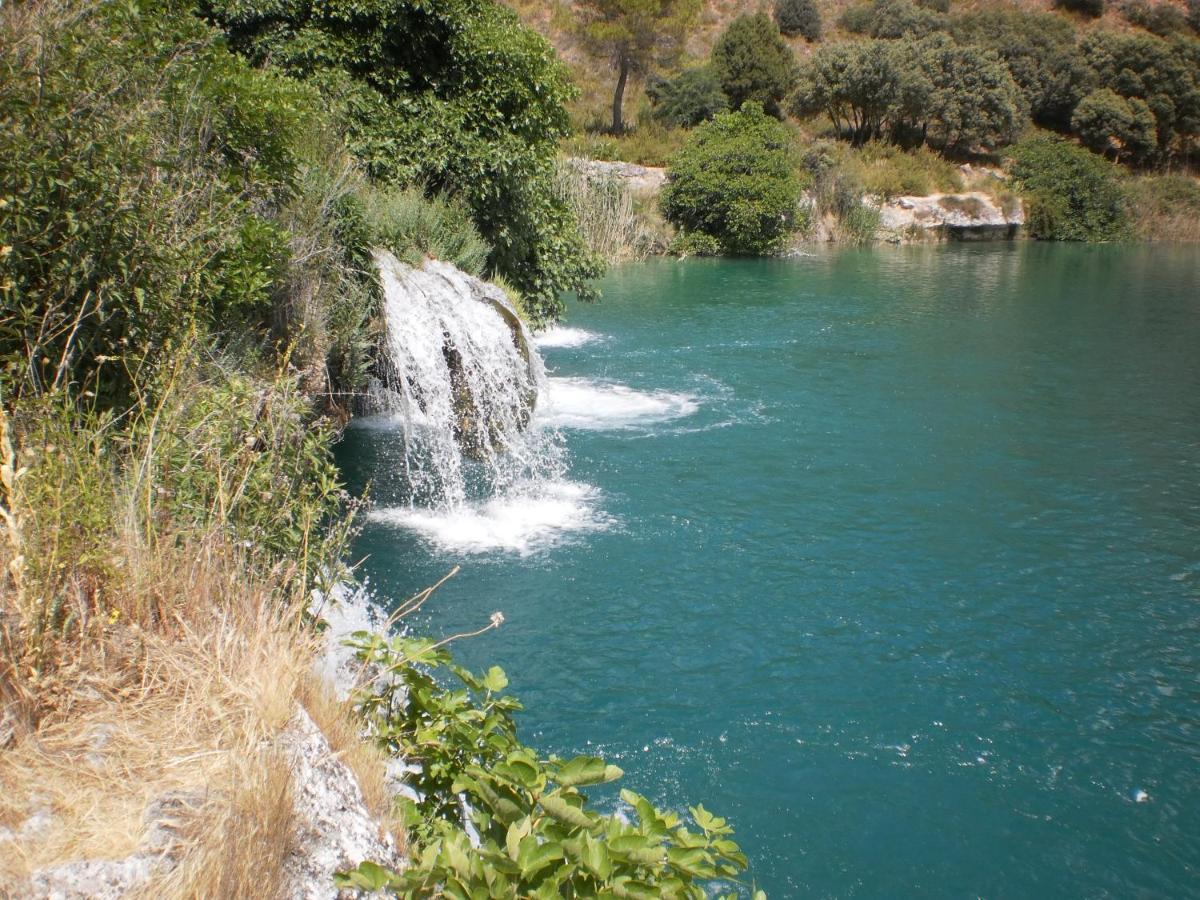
column 891, row 556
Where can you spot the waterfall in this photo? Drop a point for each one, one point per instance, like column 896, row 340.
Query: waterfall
column 462, row 377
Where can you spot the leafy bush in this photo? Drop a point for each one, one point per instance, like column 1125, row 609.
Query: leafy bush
column 691, row 97
column 735, row 182
column 457, row 96
column 902, row 88
column 1039, row 50
column 1092, row 8
column 1107, row 122
column 754, row 63
column 972, row 98
column 1160, row 18
column 798, row 17
column 142, row 168
column 903, row 18
column 857, row 19
column 1165, row 73
column 1193, row 15
column 1072, row 194
column 537, row 836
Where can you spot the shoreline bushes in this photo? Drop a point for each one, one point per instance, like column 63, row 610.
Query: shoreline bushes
column 1073, row 194
column 735, row 182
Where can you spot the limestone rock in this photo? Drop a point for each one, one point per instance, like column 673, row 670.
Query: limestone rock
column 334, row 829
column 967, row 216
column 644, row 180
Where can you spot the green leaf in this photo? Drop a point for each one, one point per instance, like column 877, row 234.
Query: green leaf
column 533, row 856
column 564, row 812
column 368, row 877
column 495, row 680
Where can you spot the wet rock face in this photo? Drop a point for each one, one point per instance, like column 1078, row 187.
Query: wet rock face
column 967, row 216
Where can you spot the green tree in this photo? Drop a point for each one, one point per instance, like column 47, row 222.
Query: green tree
column 868, row 89
column 754, row 63
column 735, row 181
column 1040, row 51
column 903, row 18
column 1109, row 123
column 457, row 96
column 692, row 97
column 1165, row 73
column 1071, row 193
column 634, row 35
column 798, row 17
column 973, row 98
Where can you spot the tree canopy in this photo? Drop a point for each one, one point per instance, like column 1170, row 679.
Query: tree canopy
column 457, row 96
column 753, row 62
column 634, row 34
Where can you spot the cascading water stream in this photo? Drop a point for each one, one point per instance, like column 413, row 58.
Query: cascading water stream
column 462, row 381
column 464, row 377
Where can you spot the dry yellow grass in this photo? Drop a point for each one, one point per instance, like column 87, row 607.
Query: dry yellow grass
column 175, row 683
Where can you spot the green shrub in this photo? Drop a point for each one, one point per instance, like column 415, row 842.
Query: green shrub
column 141, row 169
column 1091, row 8
column 1072, row 194
column 1165, row 73
column 1193, row 15
column 857, row 19
column 535, row 834
column 798, row 17
column 694, row 243
column 456, row 96
column 903, row 18
column 901, row 89
column 691, row 97
column 735, row 182
column 754, row 63
column 1108, row 123
column 972, row 98
column 1160, row 18
column 1039, row 50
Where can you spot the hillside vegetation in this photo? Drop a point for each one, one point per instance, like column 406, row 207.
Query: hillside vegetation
column 967, row 81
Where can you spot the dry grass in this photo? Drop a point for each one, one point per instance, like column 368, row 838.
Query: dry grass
column 171, row 676
column 614, row 222
column 187, row 705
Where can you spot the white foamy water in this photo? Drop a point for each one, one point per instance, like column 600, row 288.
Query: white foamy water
column 558, row 336
column 462, row 373
column 523, row 520
column 584, row 404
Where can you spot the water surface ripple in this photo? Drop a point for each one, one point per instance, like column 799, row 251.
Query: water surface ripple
column 909, row 589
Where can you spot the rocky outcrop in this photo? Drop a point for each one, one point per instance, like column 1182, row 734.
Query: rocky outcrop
column 965, row 217
column 334, row 829
column 644, row 180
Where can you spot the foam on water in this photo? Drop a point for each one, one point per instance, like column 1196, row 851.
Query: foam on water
column 558, row 336
column 590, row 405
column 523, row 521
